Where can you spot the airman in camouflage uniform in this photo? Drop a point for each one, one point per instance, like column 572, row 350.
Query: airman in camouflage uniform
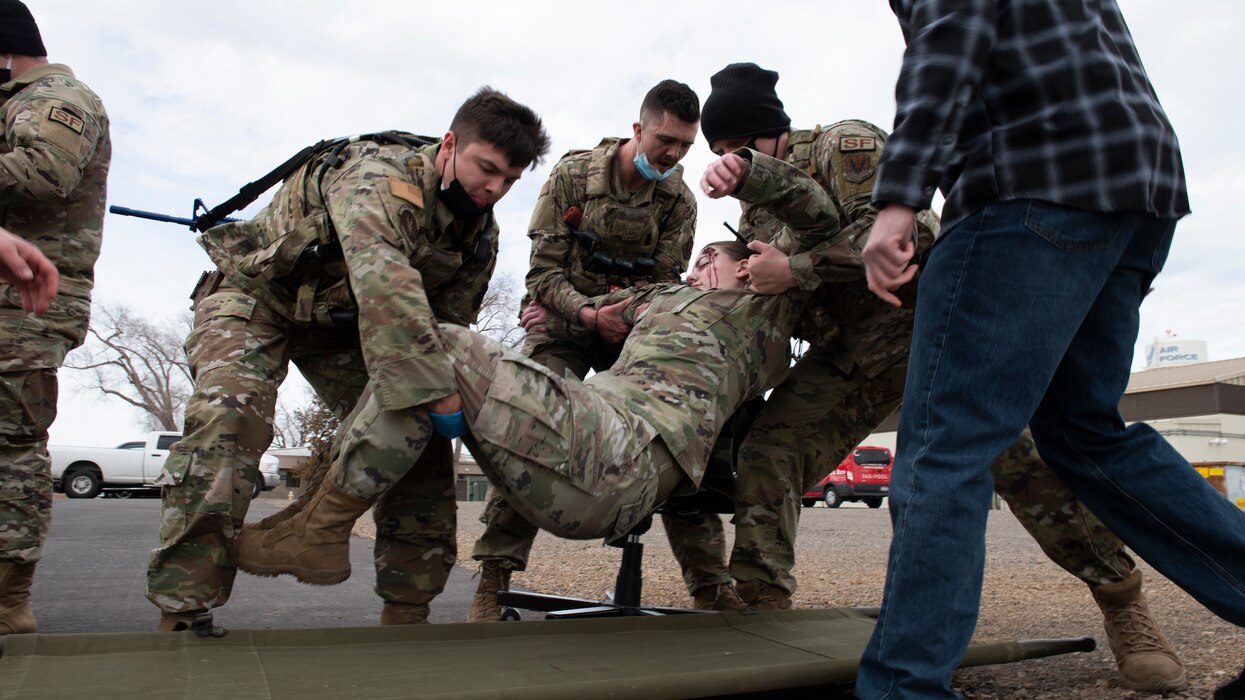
column 54, row 157
column 600, row 224
column 587, row 459
column 418, row 244
column 852, row 378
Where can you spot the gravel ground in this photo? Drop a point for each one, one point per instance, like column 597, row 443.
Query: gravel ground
column 842, row 555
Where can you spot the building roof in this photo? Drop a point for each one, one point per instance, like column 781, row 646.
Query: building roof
column 290, row 452
column 1220, row 372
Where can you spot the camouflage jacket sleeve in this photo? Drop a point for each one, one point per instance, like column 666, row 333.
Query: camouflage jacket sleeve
column 674, row 246
column 397, row 330
column 53, row 130
column 841, row 262
column 547, row 281
column 794, row 198
column 638, row 295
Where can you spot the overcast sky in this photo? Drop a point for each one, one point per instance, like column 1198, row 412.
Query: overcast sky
column 206, row 97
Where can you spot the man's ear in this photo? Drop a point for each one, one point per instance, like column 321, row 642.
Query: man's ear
column 449, row 141
column 635, row 130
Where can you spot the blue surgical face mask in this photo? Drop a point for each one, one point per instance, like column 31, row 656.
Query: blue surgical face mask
column 646, row 168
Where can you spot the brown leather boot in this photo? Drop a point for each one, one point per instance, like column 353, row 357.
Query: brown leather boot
column 493, row 578
column 1145, row 659
column 404, row 614
column 719, row 596
column 759, row 595
column 16, row 615
column 313, row 546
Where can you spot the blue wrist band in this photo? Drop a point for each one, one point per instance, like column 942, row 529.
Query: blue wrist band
column 451, row 425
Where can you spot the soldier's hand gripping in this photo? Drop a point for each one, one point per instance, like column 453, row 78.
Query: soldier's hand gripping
column 24, row 266
column 533, row 318
column 610, row 323
column 724, row 176
column 769, row 269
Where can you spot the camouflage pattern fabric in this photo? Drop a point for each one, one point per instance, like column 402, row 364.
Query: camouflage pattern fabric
column 54, row 158
column 657, row 222
column 1072, row 536
column 851, row 379
column 403, row 267
column 700, row 549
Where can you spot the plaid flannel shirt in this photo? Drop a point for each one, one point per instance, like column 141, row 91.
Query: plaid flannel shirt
column 1027, row 99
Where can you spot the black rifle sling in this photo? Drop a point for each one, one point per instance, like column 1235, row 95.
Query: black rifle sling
column 252, row 190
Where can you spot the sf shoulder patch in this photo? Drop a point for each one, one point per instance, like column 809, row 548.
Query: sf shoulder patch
column 848, row 144
column 60, row 115
column 407, row 191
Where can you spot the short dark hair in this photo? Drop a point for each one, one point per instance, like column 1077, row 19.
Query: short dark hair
column 490, row 116
column 735, row 250
column 673, row 97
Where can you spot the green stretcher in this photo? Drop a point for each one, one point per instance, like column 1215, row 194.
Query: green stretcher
column 678, row 656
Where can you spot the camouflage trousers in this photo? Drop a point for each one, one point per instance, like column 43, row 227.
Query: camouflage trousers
column 700, row 549
column 32, row 348
column 508, row 536
column 239, row 353
column 27, row 409
column 394, row 459
column 567, row 459
column 810, row 423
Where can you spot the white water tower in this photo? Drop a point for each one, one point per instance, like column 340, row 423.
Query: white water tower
column 1173, row 352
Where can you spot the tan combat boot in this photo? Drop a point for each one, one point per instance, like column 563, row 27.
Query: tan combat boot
column 759, row 595
column 313, row 546
column 493, row 578
column 404, row 614
column 719, row 596
column 16, row 615
column 1146, row 660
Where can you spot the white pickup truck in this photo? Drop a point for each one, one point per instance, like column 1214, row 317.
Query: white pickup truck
column 82, row 472
column 129, row 468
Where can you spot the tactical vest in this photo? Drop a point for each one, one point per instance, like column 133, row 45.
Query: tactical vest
column 628, row 233
column 266, row 257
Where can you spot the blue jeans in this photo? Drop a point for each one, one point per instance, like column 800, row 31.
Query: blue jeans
column 1028, row 313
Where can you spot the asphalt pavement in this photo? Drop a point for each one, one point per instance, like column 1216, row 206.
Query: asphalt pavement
column 93, row 575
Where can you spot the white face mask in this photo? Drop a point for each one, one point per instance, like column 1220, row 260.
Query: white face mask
column 6, row 73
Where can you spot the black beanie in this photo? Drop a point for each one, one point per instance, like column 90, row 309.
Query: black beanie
column 742, row 102
column 18, row 32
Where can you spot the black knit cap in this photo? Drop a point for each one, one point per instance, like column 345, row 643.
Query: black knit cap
column 18, row 32
column 742, row 102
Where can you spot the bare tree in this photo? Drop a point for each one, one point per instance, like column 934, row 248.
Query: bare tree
column 314, row 424
column 499, row 312
column 140, row 362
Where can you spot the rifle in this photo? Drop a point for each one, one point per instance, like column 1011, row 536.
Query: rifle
column 203, row 221
column 192, row 223
column 201, row 218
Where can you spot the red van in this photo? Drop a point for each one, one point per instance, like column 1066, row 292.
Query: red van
column 864, row 476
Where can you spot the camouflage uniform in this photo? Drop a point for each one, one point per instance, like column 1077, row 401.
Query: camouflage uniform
column 656, row 223
column 54, row 160
column 587, row 459
column 850, row 379
column 405, row 263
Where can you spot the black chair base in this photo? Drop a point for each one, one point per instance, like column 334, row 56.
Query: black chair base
column 624, row 603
